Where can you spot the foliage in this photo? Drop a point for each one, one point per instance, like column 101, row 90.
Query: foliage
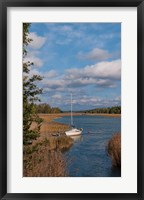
column 112, row 110
column 30, row 93
column 46, row 108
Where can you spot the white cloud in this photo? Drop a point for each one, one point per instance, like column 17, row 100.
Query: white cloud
column 81, row 102
column 50, row 74
column 33, row 57
column 38, row 41
column 105, row 70
column 69, row 31
column 53, row 84
column 57, row 96
column 95, row 101
column 106, row 83
column 95, row 54
column 109, row 70
column 103, row 74
column 63, row 34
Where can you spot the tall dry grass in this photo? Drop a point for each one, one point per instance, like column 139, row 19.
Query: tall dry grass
column 45, row 159
column 62, row 143
column 114, row 149
column 40, row 161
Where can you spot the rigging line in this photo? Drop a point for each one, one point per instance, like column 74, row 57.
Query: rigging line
column 71, row 112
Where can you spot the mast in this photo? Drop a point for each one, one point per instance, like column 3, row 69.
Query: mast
column 71, row 112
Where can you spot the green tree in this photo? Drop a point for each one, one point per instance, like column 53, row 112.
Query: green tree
column 46, row 108
column 30, row 94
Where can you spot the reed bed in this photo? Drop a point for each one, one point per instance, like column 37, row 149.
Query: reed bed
column 44, row 158
column 114, row 149
column 44, row 163
column 62, row 143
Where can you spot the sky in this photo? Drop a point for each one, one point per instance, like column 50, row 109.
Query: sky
column 79, row 58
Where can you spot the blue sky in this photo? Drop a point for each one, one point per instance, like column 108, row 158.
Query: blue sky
column 79, row 58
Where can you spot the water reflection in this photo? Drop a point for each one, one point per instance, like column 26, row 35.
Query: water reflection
column 77, row 138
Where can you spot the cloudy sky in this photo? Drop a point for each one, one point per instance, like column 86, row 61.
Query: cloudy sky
column 79, row 58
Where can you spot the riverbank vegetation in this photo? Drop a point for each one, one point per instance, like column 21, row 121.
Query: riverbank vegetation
column 44, row 159
column 44, row 156
column 114, row 149
column 47, row 109
column 108, row 110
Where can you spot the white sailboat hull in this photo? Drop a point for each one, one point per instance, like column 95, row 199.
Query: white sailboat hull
column 73, row 132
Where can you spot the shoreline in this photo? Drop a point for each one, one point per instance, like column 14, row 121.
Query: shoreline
column 58, row 115
column 103, row 114
column 50, row 127
column 46, row 151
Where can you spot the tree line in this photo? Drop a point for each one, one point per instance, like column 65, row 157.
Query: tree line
column 108, row 110
column 46, row 108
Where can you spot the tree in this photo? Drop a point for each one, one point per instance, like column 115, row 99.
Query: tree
column 30, row 94
column 46, row 108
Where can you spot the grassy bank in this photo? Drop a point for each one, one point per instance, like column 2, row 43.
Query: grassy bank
column 44, row 158
column 114, row 149
column 40, row 161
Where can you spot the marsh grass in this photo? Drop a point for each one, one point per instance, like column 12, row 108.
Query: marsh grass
column 45, row 163
column 61, row 143
column 45, row 159
column 114, row 149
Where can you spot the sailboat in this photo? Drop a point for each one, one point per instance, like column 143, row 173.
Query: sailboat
column 73, row 130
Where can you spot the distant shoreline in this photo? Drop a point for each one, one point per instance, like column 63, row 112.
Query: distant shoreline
column 49, row 126
column 104, row 114
column 57, row 115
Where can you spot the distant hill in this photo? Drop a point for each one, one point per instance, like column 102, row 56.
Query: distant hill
column 108, row 110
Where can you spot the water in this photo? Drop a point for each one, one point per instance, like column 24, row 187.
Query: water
column 88, row 155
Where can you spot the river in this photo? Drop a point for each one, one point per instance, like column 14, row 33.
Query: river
column 88, row 156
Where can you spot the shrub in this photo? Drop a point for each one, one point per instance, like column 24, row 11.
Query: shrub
column 114, row 149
